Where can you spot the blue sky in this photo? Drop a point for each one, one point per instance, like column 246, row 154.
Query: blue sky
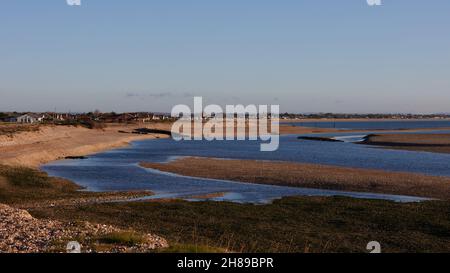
column 148, row 55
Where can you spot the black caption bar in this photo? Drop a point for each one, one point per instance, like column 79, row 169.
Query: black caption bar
column 143, row 263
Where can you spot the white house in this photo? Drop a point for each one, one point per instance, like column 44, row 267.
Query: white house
column 30, row 118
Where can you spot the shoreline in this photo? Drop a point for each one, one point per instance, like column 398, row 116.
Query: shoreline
column 116, row 136
column 51, row 143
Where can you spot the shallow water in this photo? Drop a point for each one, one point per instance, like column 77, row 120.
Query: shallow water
column 118, row 170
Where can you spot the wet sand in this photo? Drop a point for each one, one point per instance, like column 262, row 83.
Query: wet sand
column 310, row 176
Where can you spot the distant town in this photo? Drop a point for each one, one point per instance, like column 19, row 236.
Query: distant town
column 91, row 118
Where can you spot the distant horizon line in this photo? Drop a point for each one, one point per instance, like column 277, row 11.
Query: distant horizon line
column 284, row 113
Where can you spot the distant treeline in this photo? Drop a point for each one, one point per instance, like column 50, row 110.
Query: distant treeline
column 100, row 117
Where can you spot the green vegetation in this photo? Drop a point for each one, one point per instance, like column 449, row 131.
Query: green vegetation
column 26, row 187
column 90, row 124
column 101, row 244
column 297, row 224
column 20, row 184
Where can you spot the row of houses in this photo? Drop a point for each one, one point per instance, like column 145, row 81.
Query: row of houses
column 94, row 117
column 31, row 118
column 23, row 118
column 130, row 117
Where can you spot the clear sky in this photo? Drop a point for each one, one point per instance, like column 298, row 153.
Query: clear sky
column 148, row 55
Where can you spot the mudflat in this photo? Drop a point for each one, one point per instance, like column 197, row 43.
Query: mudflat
column 310, row 176
column 437, row 143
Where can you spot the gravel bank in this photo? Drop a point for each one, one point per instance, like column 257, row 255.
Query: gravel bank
column 21, row 233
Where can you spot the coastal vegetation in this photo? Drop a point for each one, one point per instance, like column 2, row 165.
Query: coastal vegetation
column 295, row 224
column 25, row 187
column 20, row 184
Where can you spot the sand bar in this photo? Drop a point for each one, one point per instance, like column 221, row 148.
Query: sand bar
column 310, row 176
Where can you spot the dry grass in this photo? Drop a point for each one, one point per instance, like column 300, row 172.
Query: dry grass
column 191, row 248
column 12, row 129
column 310, row 176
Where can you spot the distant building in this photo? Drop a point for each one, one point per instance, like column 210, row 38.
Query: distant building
column 30, row 118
